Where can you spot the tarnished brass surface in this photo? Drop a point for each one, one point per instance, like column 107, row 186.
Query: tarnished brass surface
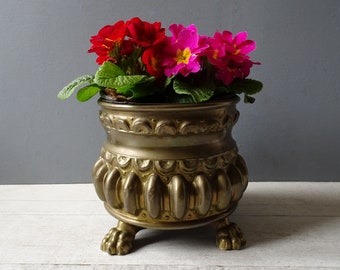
column 229, row 236
column 119, row 240
column 170, row 166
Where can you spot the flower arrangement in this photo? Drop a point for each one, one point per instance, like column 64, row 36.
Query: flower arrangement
column 138, row 62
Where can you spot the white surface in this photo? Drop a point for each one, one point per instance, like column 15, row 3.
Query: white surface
column 287, row 226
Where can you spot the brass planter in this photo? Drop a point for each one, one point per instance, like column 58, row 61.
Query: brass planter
column 169, row 166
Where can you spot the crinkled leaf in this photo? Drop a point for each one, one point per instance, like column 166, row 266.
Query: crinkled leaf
column 176, row 98
column 143, row 88
column 107, row 74
column 198, row 93
column 111, row 76
column 88, row 92
column 125, row 82
column 246, row 86
column 138, row 92
column 67, row 91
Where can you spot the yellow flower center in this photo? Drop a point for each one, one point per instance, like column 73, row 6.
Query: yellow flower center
column 183, row 56
column 154, row 63
column 236, row 52
column 215, row 54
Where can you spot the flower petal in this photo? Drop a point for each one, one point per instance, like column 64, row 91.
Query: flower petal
column 240, row 37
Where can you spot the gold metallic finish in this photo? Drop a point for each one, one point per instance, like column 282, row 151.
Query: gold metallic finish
column 203, row 194
column 223, row 191
column 111, row 187
column 153, row 196
column 119, row 240
column 131, row 192
column 169, row 166
column 98, row 173
column 229, row 236
column 178, row 196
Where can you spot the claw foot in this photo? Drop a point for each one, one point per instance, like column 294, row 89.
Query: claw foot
column 229, row 236
column 119, row 240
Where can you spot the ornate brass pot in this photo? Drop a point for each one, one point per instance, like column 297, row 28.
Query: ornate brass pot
column 169, row 166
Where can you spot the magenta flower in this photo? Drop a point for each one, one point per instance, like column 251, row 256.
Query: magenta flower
column 228, row 55
column 182, row 52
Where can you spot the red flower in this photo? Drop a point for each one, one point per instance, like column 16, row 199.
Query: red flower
column 106, row 42
column 152, row 60
column 143, row 33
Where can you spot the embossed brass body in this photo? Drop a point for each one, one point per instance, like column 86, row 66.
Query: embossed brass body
column 170, row 166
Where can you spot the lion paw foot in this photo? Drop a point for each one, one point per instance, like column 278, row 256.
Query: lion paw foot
column 229, row 237
column 119, row 240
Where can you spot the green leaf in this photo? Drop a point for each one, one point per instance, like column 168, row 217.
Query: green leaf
column 221, row 90
column 176, row 98
column 126, row 82
column 142, row 88
column 168, row 81
column 246, row 86
column 107, row 74
column 198, row 93
column 248, row 99
column 67, row 91
column 87, row 92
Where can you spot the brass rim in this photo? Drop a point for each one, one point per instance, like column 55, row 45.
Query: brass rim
column 165, row 225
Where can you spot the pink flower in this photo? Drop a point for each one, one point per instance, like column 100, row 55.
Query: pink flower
column 237, row 45
column 228, row 55
column 182, row 52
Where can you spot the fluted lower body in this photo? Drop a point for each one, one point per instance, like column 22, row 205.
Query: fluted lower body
column 169, row 167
